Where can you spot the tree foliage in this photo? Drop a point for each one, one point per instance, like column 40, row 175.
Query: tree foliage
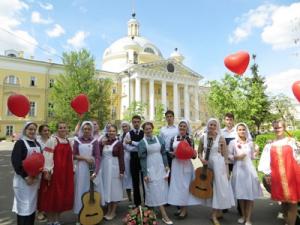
column 80, row 77
column 244, row 97
column 135, row 108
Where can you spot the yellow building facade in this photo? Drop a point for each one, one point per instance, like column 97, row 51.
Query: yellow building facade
column 136, row 66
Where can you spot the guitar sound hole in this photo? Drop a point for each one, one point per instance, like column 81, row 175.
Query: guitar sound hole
column 203, row 176
column 90, row 215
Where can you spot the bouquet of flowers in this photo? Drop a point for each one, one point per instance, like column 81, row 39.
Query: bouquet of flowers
column 140, row 216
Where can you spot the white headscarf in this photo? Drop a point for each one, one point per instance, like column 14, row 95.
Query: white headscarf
column 125, row 123
column 218, row 125
column 23, row 134
column 248, row 135
column 80, row 133
column 189, row 130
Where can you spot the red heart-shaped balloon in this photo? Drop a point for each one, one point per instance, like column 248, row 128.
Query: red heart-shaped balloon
column 237, row 62
column 80, row 104
column 184, row 150
column 18, row 105
column 296, row 90
column 34, row 164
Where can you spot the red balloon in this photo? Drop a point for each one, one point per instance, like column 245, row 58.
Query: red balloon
column 296, row 90
column 80, row 104
column 237, row 62
column 34, row 164
column 184, row 151
column 18, row 105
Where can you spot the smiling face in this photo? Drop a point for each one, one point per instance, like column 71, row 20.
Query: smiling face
column 112, row 132
column 87, row 130
column 241, row 130
column 62, row 130
column 212, row 127
column 148, row 130
column 30, row 131
column 125, row 128
column 183, row 128
column 45, row 133
column 279, row 128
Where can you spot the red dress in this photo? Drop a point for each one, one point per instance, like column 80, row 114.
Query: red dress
column 58, row 195
column 285, row 174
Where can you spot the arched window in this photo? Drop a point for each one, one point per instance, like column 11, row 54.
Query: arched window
column 12, row 79
column 149, row 50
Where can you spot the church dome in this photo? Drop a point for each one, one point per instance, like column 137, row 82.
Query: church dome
column 132, row 49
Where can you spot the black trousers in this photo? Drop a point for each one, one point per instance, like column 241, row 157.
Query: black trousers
column 26, row 220
column 135, row 170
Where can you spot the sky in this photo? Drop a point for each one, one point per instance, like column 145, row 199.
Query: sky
column 205, row 32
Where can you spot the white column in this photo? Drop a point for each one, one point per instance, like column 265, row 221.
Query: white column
column 137, row 89
column 151, row 99
column 164, row 94
column 144, row 92
column 175, row 100
column 197, row 109
column 186, row 103
column 131, row 90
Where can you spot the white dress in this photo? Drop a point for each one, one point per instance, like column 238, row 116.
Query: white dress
column 156, row 190
column 222, row 191
column 82, row 174
column 244, row 180
column 181, row 176
column 110, row 174
column 25, row 196
column 127, row 179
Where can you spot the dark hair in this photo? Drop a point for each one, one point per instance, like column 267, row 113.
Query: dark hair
column 41, row 127
column 136, row 117
column 114, row 126
column 147, row 123
column 169, row 112
column 229, row 115
column 58, row 123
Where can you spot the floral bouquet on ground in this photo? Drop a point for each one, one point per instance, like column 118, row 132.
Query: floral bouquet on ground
column 140, row 216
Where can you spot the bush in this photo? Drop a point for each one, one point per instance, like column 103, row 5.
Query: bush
column 261, row 140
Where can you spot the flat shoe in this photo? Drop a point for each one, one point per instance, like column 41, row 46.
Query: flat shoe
column 214, row 221
column 241, row 220
column 169, row 222
column 248, row 223
column 177, row 213
column 181, row 217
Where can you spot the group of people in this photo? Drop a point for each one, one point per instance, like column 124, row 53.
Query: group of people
column 136, row 157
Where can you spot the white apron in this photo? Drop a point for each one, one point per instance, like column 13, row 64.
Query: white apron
column 222, row 191
column 181, row 176
column 110, row 173
column 82, row 173
column 25, row 196
column 156, row 190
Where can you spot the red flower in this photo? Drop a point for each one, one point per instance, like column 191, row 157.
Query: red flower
column 239, row 146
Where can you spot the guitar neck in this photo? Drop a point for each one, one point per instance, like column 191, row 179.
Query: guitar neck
column 92, row 199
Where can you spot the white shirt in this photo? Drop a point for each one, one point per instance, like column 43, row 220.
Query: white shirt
column 133, row 146
column 166, row 133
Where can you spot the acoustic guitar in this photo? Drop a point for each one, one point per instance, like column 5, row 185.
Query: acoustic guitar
column 91, row 213
column 202, row 185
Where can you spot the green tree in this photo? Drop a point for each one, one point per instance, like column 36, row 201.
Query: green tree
column 135, row 108
column 159, row 118
column 79, row 77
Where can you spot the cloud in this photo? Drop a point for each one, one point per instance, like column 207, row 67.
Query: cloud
column 279, row 24
column 46, row 6
column 11, row 37
column 78, row 40
column 37, row 18
column 282, row 82
column 56, row 31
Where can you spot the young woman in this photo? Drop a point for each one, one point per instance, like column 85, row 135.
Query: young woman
column 112, row 171
column 56, row 193
column 86, row 152
column 182, row 173
column 154, row 165
column 222, row 191
column 280, row 162
column 244, row 180
column 127, row 180
column 25, row 187
column 42, row 138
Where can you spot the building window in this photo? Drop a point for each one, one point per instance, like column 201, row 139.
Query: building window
column 135, row 58
column 32, row 81
column 51, row 83
column 114, row 90
column 9, row 130
column 149, row 50
column 182, row 112
column 8, row 112
column 32, row 109
column 113, row 113
column 50, row 109
column 11, row 79
column 159, row 91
